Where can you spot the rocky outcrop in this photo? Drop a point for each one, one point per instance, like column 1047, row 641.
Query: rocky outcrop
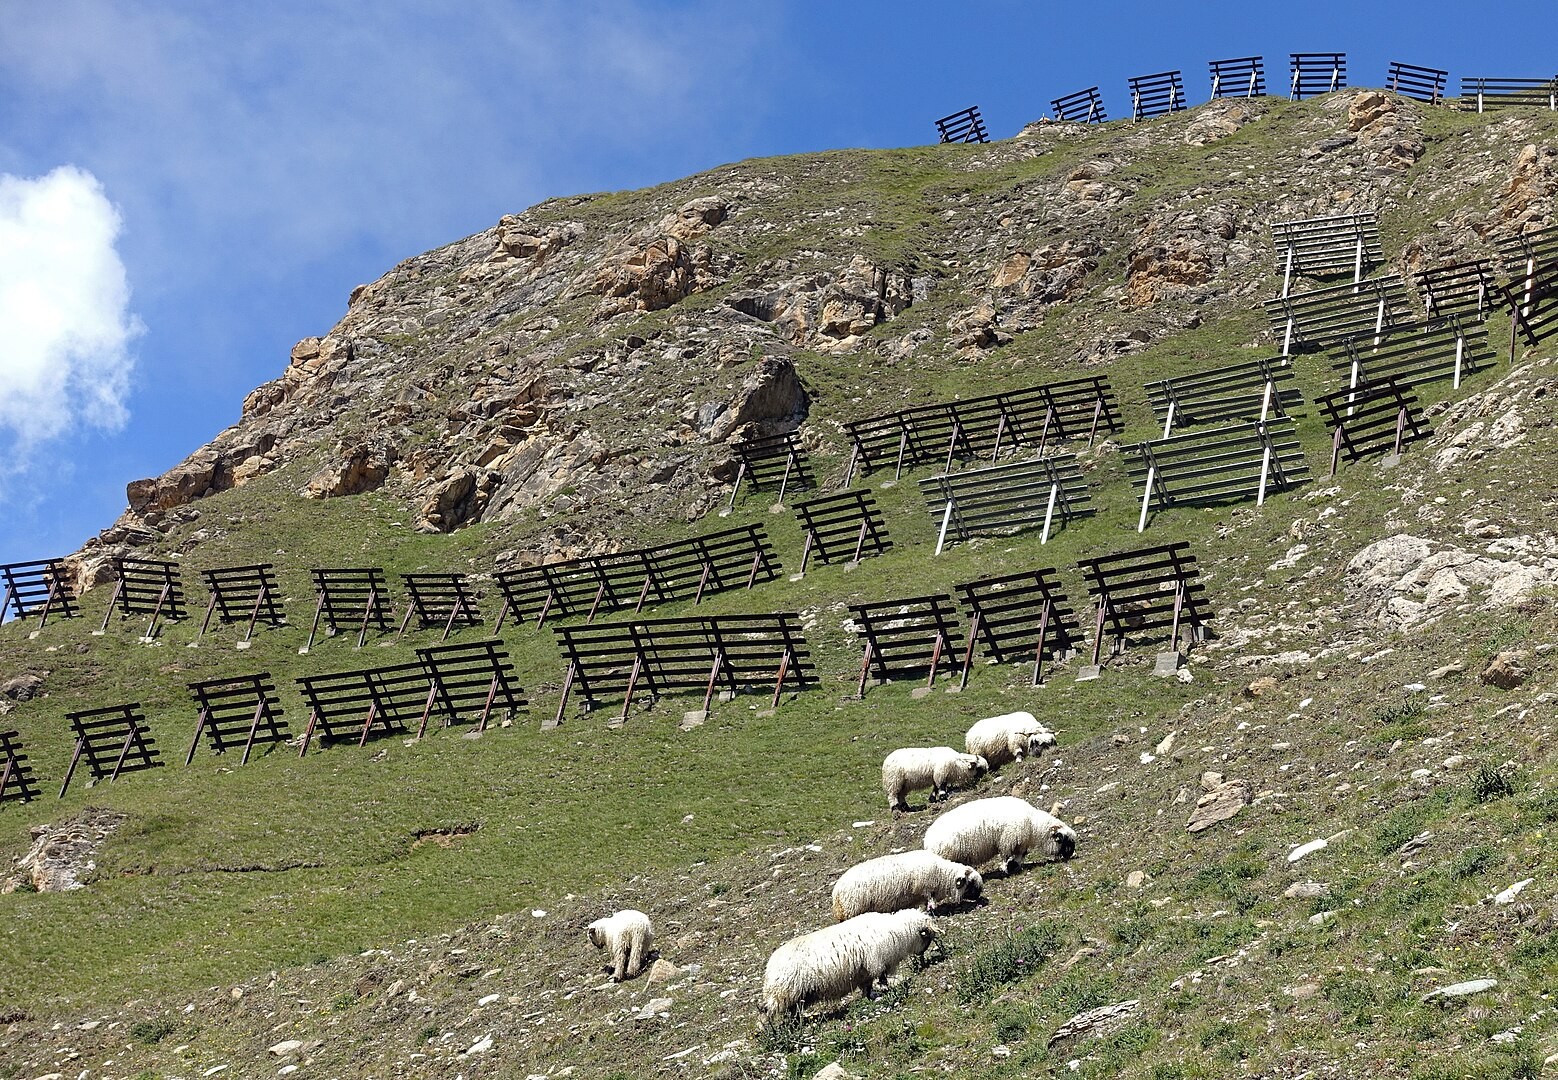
column 362, row 468
column 1527, row 201
column 1403, row 581
column 203, row 473
column 63, row 854
column 830, row 310
column 651, row 277
column 456, row 499
column 770, row 400
column 1218, row 120
column 1387, row 127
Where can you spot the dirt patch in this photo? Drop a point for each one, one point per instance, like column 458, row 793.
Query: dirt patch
column 445, row 836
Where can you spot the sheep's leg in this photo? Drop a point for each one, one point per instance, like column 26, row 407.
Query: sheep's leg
column 636, row 957
column 620, row 962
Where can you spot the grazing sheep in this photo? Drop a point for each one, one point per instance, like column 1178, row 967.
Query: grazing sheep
column 856, row 954
column 628, row 936
column 978, row 831
column 909, row 879
column 1008, row 737
column 934, row 767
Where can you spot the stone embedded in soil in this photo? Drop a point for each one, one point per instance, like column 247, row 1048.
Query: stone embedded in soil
column 654, row 1008
column 1461, row 989
column 1307, row 890
column 1504, row 671
column 1307, row 849
column 1219, row 804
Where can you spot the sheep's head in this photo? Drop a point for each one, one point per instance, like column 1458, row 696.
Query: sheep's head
column 1038, row 741
column 970, row 884
column 1063, row 840
column 597, row 937
column 979, row 765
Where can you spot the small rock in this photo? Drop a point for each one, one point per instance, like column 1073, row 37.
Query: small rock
column 1211, row 780
column 1307, row 890
column 1454, row 761
column 662, row 970
column 481, row 1045
column 1166, row 745
column 286, row 1070
column 1446, row 671
column 1307, row 849
column 1262, row 685
column 654, row 1008
column 1461, row 989
column 287, row 1048
column 833, row 1071
column 1504, row 671
column 1323, row 918
column 1509, row 894
column 1219, row 804
column 1136, row 879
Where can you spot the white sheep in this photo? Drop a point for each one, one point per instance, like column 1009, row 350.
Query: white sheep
column 909, row 879
column 936, row 767
column 1008, row 737
column 856, row 954
column 978, row 831
column 628, row 936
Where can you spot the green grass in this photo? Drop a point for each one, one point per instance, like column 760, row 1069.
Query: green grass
column 223, row 874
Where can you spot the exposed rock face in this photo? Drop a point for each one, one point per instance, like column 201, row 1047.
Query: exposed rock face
column 63, row 854
column 771, row 400
column 362, row 468
column 195, row 477
column 1528, row 199
column 652, row 277
column 829, row 311
column 1404, row 580
column 456, row 499
column 1387, row 127
column 1178, row 251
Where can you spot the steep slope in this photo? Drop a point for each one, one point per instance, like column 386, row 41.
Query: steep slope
column 566, row 382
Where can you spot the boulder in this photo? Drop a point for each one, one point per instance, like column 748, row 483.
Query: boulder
column 23, row 687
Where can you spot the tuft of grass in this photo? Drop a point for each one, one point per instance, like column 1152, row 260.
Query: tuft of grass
column 1489, row 782
column 151, row 1032
column 1018, row 954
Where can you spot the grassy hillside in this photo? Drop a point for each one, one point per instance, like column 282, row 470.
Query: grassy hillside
column 369, row 903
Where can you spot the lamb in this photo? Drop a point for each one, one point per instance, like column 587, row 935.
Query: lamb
column 856, row 954
column 934, row 767
column 909, row 879
column 628, row 936
column 1008, row 737
column 978, row 831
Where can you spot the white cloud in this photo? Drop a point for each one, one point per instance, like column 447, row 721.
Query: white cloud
column 65, row 324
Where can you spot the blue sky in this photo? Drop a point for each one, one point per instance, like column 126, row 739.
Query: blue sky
column 229, row 172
